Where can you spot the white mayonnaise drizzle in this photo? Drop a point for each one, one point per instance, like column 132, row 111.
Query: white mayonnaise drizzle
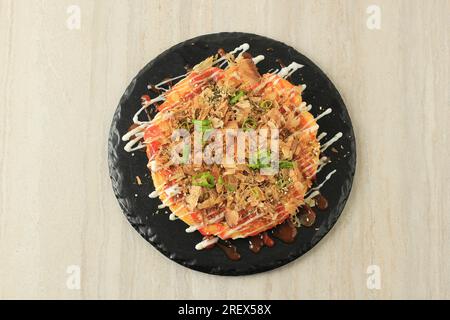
column 131, row 145
column 323, row 114
column 138, row 134
column 321, row 136
column 321, row 160
column 173, row 216
column 159, row 85
column 131, row 133
column 310, row 129
column 243, row 48
column 198, row 226
column 322, row 164
column 155, row 194
column 166, row 202
column 192, row 229
column 223, row 60
column 266, row 81
column 328, row 177
column 289, row 70
column 242, row 225
column 173, row 190
column 302, row 107
column 312, row 195
column 153, row 166
column 136, row 115
column 206, row 243
column 306, row 126
column 258, row 59
column 331, row 141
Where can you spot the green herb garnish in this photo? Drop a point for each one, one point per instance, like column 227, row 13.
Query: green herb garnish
column 205, row 179
column 237, row 96
column 249, row 124
column 286, row 164
column 266, row 104
column 202, row 125
column 262, row 161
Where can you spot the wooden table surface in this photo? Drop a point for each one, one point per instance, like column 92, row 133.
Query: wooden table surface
column 60, row 85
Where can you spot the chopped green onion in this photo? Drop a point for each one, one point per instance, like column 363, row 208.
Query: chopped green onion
column 249, row 124
column 254, row 166
column 286, row 164
column 266, row 104
column 262, row 161
column 205, row 179
column 202, row 125
column 220, row 180
column 237, row 96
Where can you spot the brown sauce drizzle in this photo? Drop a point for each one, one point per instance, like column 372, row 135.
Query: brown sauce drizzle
column 259, row 241
column 307, row 216
column 321, row 202
column 256, row 243
column 281, row 63
column 268, row 241
column 221, row 52
column 286, row 231
column 229, row 250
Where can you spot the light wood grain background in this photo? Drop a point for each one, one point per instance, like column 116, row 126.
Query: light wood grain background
column 59, row 89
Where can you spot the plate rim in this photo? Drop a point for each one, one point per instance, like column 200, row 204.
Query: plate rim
column 114, row 140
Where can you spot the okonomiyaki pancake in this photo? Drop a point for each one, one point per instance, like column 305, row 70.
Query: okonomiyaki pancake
column 240, row 202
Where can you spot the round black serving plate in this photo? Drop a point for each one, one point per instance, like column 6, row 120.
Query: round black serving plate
column 169, row 237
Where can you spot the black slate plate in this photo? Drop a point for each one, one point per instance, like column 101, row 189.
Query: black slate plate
column 170, row 237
